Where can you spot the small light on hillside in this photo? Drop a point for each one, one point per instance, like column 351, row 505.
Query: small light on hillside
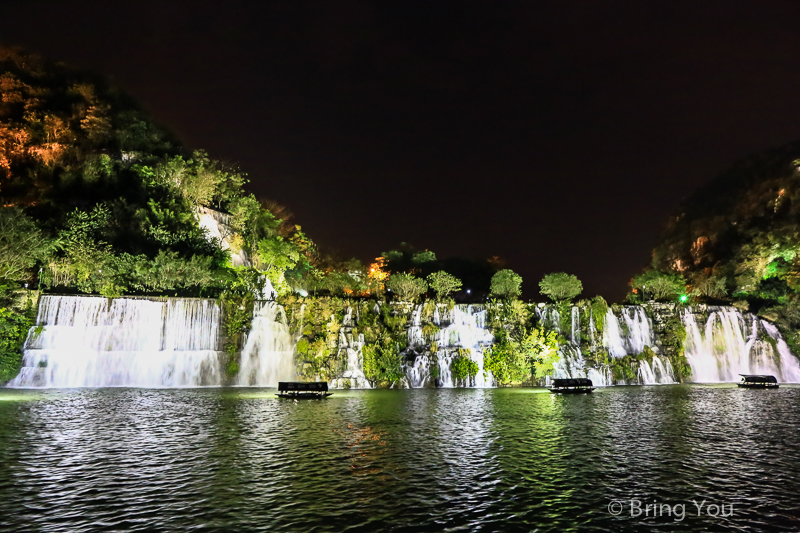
column 683, row 298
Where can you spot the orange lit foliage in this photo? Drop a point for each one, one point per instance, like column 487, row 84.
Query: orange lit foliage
column 376, row 277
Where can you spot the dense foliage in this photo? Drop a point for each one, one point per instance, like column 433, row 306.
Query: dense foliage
column 741, row 231
column 560, row 286
column 443, row 284
column 506, row 284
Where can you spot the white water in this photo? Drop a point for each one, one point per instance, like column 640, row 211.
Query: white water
column 268, row 352
column 573, row 365
column 639, row 332
column 351, row 348
column 658, row 372
column 467, row 330
column 124, row 342
column 731, row 343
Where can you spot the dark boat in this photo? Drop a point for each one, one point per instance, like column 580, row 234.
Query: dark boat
column 572, row 386
column 758, row 382
column 299, row 390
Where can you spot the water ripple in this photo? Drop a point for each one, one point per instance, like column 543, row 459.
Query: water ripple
column 420, row 460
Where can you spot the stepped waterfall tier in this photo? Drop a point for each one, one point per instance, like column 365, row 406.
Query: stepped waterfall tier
column 82, row 341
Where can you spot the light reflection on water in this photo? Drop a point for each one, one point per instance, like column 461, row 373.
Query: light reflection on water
column 419, row 460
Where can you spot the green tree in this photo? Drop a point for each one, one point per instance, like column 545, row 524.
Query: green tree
column 709, row 286
column 659, row 285
column 423, row 257
column 506, row 284
column 406, row 286
column 443, row 284
column 22, row 245
column 560, row 286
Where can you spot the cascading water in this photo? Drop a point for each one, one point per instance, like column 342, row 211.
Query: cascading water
column 658, row 372
column 353, row 377
column 732, row 343
column 638, row 332
column 87, row 341
column 267, row 356
column 467, row 330
column 630, row 334
column 575, row 331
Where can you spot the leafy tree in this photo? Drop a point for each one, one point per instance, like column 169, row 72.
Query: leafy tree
column 506, row 284
column 423, row 257
column 443, row 284
column 406, row 286
column 22, row 245
column 659, row 285
column 560, row 286
column 709, row 287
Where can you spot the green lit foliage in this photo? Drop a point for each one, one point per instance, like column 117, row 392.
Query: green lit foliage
column 462, row 366
column 406, row 287
column 199, row 180
column 421, row 258
column 443, row 284
column 708, row 287
column 541, row 348
column 507, row 363
column 506, row 284
column 14, row 327
column 599, row 311
column 560, row 286
column 382, row 360
column 22, row 245
column 513, row 361
column 657, row 285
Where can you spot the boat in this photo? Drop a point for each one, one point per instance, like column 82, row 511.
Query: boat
column 572, row 386
column 302, row 390
column 751, row 381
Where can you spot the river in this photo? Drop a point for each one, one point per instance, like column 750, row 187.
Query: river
column 401, row 460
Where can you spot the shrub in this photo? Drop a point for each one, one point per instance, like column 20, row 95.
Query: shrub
column 462, row 366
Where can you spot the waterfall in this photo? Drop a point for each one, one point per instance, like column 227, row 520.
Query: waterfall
column 268, row 352
column 658, row 372
column 575, row 331
column 415, row 328
column 732, row 343
column 637, row 333
column 573, row 365
column 466, row 330
column 549, row 317
column 125, row 342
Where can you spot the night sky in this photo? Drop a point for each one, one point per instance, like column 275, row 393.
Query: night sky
column 556, row 135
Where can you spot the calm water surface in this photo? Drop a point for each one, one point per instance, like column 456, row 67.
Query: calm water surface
column 413, row 460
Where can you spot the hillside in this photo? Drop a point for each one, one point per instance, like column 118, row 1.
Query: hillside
column 742, row 230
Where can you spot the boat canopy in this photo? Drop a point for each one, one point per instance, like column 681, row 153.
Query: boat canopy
column 300, row 386
column 572, row 382
column 750, row 378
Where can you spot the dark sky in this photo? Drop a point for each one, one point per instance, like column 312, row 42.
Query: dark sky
column 557, row 135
